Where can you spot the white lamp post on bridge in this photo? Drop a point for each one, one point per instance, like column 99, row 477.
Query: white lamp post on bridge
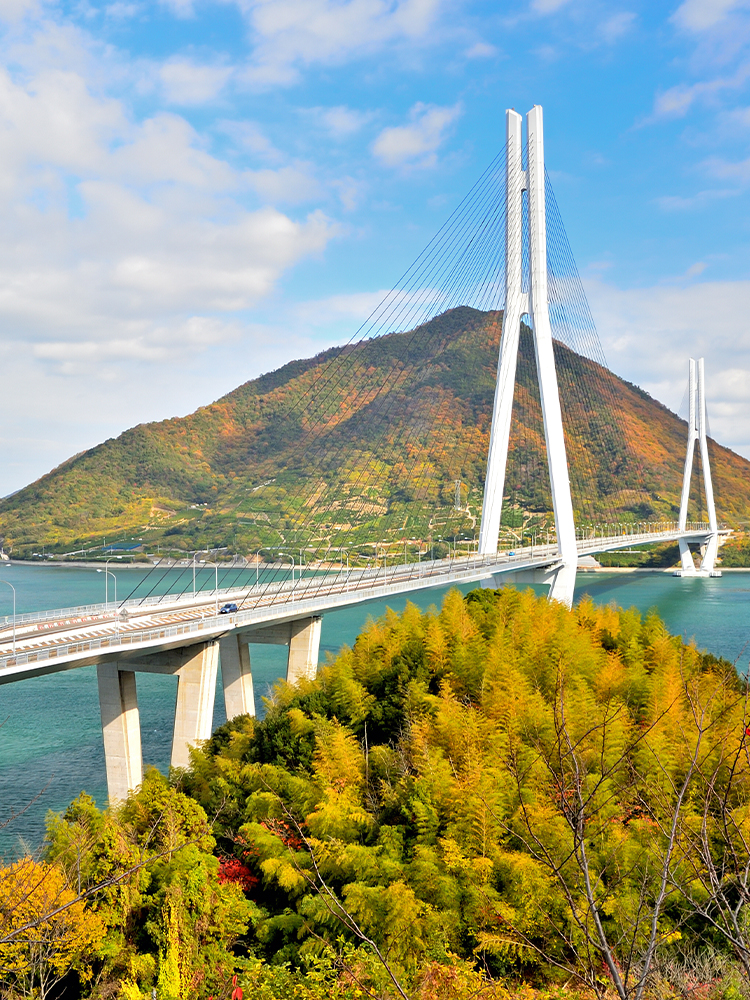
column 107, row 573
column 14, row 612
column 195, row 556
column 281, row 556
column 216, row 584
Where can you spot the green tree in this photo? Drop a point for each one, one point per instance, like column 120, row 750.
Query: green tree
column 171, row 921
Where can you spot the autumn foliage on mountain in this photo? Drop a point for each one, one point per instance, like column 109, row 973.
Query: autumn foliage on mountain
column 364, row 438
column 502, row 798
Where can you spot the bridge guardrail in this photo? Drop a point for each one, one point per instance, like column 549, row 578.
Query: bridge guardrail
column 86, row 610
column 376, row 580
column 306, row 590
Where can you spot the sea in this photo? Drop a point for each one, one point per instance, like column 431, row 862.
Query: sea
column 50, row 734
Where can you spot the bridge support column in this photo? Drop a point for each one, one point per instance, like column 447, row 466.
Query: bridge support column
column 709, row 556
column 236, row 675
column 687, row 566
column 516, row 304
column 121, row 729
column 697, row 433
column 536, row 304
column 564, row 582
column 304, row 649
column 196, row 689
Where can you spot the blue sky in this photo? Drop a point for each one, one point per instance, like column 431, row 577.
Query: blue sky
column 192, row 193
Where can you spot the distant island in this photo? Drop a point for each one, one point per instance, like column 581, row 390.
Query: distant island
column 237, row 476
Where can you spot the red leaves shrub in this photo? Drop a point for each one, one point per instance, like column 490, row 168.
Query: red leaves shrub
column 232, row 870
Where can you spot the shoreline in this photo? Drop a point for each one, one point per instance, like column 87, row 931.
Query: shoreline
column 46, row 563
column 79, row 564
column 246, row 564
column 652, row 569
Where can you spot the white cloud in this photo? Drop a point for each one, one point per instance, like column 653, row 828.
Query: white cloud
column 122, row 11
column 159, row 344
column 548, row 6
column 129, row 252
column 289, row 185
column 54, row 120
column 616, row 26
column 132, row 261
column 416, row 144
column 354, row 306
column 701, row 199
column 732, row 120
column 481, row 50
column 737, row 171
column 678, row 100
column 180, row 8
column 342, row 121
column 291, row 34
column 249, row 136
column 186, row 82
column 648, row 334
column 12, row 11
column 695, row 269
column 728, row 170
column 699, row 15
column 350, row 192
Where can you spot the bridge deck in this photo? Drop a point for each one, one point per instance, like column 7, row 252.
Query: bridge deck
column 60, row 640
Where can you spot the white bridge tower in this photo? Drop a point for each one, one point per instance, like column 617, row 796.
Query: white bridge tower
column 697, row 431
column 533, row 304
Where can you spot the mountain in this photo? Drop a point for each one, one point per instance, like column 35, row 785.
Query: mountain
column 367, row 442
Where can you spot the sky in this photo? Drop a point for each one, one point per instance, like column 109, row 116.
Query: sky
column 193, row 193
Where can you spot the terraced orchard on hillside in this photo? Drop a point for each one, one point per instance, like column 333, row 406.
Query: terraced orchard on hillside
column 386, row 441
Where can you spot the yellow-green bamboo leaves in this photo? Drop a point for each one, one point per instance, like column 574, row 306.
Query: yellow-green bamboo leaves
column 504, row 780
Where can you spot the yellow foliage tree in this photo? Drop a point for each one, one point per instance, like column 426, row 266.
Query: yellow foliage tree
column 46, row 930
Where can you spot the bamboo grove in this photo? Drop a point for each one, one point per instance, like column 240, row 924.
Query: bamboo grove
column 500, row 798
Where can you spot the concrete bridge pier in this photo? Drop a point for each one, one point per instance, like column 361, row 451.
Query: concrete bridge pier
column 302, row 637
column 196, row 668
column 303, row 641
column 236, row 676
column 560, row 578
column 304, row 649
column 121, row 729
column 196, row 690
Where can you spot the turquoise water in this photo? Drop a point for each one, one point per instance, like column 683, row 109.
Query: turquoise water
column 50, row 736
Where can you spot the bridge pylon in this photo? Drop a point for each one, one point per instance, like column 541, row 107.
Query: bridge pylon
column 698, row 432
column 533, row 303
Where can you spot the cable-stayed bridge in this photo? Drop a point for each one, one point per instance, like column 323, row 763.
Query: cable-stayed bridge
column 379, row 470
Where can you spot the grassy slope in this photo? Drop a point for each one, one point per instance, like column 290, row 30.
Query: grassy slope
column 322, row 425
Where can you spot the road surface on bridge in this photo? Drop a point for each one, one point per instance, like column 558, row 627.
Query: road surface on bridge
column 60, row 640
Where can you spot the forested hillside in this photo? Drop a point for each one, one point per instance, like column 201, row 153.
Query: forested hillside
column 369, row 441
column 504, row 792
